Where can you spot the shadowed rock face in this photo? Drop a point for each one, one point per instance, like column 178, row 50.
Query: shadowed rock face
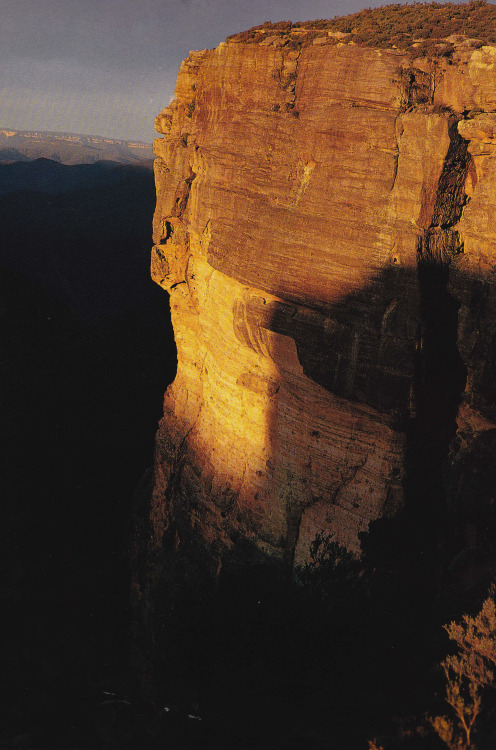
column 327, row 244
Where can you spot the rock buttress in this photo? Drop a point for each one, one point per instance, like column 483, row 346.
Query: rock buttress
column 310, row 202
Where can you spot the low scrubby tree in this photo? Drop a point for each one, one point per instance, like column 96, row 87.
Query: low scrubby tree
column 468, row 672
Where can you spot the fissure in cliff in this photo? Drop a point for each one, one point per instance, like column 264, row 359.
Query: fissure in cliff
column 440, row 375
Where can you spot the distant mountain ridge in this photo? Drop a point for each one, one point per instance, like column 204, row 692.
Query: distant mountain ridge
column 69, row 148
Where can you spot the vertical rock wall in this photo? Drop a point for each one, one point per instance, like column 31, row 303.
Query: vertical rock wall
column 317, row 228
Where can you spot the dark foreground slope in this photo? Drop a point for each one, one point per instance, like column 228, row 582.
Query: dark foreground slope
column 85, row 352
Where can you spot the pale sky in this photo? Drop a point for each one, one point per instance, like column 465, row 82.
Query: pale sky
column 107, row 67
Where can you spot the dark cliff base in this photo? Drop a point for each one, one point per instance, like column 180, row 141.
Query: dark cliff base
column 260, row 656
column 337, row 655
column 264, row 657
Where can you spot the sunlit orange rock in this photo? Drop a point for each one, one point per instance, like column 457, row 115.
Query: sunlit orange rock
column 297, row 191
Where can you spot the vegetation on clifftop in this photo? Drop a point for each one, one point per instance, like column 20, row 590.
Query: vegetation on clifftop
column 421, row 28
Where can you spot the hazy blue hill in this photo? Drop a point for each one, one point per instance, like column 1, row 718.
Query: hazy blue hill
column 9, row 155
column 51, row 177
column 83, row 232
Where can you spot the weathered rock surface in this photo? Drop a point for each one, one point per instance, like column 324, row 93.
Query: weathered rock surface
column 319, row 219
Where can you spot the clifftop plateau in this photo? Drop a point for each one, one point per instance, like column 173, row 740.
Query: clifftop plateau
column 416, row 28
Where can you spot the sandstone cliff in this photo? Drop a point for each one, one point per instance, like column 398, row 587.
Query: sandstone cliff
column 325, row 230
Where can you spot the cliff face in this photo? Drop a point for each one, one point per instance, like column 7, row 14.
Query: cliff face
column 325, row 230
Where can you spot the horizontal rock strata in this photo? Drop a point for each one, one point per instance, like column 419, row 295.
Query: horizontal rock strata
column 310, row 201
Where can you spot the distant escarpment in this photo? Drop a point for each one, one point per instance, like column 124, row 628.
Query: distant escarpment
column 69, row 148
column 324, row 227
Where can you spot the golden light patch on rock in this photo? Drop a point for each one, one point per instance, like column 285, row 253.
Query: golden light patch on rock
column 297, row 193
